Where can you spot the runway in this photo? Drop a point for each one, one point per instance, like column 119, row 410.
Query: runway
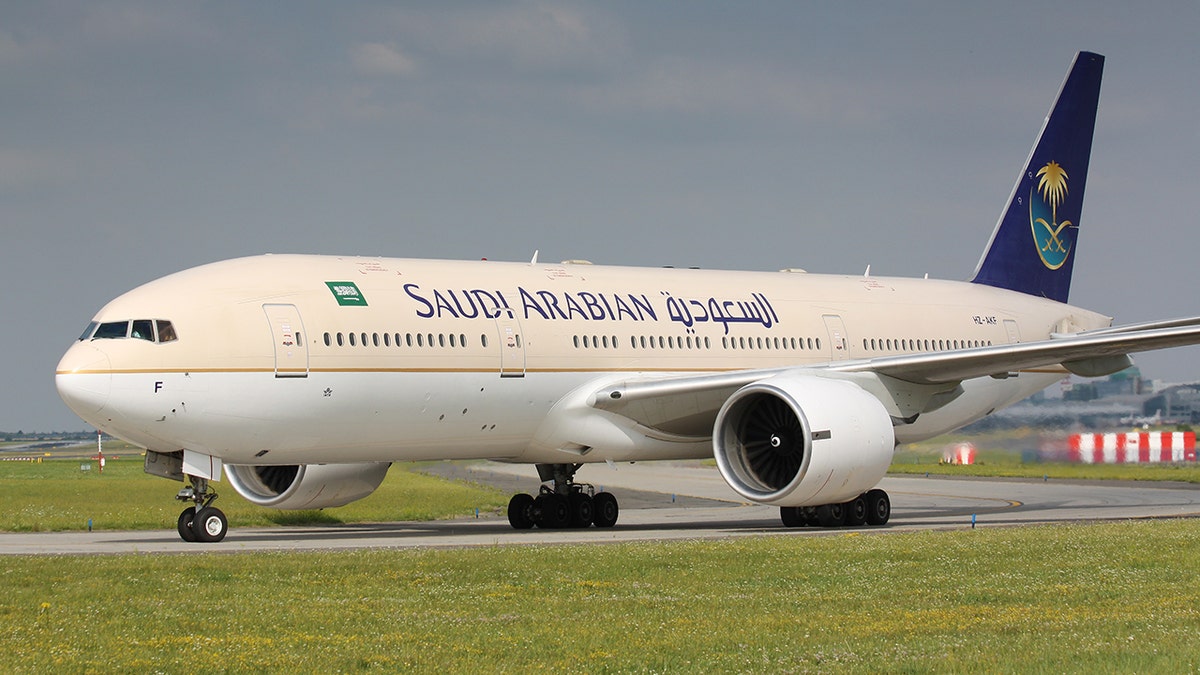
column 663, row 502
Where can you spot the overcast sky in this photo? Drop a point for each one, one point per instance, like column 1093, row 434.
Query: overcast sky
column 141, row 138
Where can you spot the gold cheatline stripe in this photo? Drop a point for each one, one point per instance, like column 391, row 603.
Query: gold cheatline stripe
column 157, row 371
column 485, row 371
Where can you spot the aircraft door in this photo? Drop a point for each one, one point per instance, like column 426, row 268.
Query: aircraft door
column 839, row 345
column 512, row 344
column 1014, row 333
column 287, row 337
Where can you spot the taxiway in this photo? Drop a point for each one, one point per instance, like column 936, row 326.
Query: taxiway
column 697, row 505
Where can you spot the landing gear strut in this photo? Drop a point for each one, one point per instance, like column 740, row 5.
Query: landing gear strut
column 872, row 507
column 202, row 521
column 566, row 504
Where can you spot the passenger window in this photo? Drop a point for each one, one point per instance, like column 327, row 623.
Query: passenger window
column 87, row 332
column 111, row 330
column 166, row 331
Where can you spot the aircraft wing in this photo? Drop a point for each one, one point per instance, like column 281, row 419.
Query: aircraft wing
column 687, row 405
column 1091, row 354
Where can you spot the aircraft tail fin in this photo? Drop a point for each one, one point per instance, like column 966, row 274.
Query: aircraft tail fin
column 1032, row 249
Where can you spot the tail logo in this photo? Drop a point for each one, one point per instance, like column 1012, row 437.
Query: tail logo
column 1054, row 240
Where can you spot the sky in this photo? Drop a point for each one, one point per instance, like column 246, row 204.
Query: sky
column 141, row 138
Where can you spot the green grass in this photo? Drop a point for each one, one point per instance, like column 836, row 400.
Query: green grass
column 56, row 495
column 1118, row 597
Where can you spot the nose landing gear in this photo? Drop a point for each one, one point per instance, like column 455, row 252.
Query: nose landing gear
column 201, row 522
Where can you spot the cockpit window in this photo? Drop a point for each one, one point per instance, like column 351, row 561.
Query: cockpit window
column 112, row 329
column 166, row 332
column 143, row 329
column 140, row 329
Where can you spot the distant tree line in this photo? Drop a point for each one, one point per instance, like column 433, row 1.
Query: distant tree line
column 21, row 435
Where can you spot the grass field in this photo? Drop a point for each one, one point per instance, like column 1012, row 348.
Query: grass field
column 1084, row 598
column 56, row 495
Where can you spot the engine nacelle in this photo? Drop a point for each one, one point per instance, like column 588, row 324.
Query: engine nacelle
column 306, row 486
column 802, row 440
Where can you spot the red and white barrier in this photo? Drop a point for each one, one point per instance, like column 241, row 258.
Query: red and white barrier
column 1133, row 448
column 963, row 453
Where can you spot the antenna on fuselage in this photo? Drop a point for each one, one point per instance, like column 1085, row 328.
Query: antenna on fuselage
column 534, row 261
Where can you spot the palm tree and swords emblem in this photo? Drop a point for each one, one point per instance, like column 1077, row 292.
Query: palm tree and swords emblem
column 1050, row 236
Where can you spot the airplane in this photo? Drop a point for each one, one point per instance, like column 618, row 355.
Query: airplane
column 304, row 377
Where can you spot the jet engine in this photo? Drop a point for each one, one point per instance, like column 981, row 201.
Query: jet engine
column 802, row 440
column 306, row 486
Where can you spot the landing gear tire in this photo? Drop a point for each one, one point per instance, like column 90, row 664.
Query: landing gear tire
column 792, row 516
column 879, row 507
column 520, row 512
column 831, row 515
column 201, row 521
column 184, row 525
column 856, row 512
column 210, row 525
column 554, row 511
column 605, row 509
column 810, row 516
column 563, row 504
column 581, row 509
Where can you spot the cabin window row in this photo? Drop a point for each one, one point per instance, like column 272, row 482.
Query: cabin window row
column 697, row 342
column 641, row 342
column 921, row 345
column 440, row 340
column 772, row 343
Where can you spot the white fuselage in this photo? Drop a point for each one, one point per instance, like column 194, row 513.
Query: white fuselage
column 286, row 359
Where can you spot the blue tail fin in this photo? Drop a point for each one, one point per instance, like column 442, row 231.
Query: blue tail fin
column 1032, row 249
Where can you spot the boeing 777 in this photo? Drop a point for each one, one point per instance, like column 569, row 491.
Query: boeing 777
column 303, row 377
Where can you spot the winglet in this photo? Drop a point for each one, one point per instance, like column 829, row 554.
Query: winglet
column 1032, row 249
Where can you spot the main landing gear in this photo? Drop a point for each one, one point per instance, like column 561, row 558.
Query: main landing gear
column 567, row 504
column 873, row 507
column 201, row 522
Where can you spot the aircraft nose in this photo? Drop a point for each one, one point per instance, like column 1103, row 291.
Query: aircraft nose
column 84, row 379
